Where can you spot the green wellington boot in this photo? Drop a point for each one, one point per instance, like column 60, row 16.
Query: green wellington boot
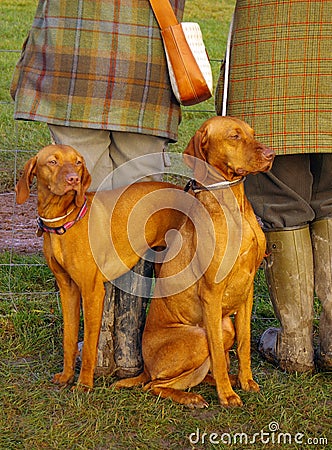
column 129, row 318
column 120, row 341
column 289, row 274
column 321, row 236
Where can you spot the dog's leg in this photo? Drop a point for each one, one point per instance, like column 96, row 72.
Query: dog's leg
column 93, row 293
column 213, row 326
column 189, row 399
column 242, row 327
column 70, row 300
column 176, row 358
column 172, row 388
column 228, row 335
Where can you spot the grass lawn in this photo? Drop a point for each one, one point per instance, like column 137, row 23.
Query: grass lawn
column 291, row 411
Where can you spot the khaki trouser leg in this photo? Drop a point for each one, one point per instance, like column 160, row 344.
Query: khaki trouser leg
column 115, row 159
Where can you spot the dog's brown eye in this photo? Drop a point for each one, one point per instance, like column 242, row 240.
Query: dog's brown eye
column 78, row 163
column 52, row 162
column 235, row 136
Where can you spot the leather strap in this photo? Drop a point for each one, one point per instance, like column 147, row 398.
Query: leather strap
column 226, row 71
column 164, row 13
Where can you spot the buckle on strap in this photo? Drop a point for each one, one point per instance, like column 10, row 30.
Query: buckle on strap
column 63, row 228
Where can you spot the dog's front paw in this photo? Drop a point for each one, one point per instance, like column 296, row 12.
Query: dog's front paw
column 81, row 388
column 62, row 379
column 231, row 400
column 249, row 385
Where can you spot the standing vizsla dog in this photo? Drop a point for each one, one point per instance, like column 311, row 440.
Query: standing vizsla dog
column 87, row 240
column 188, row 330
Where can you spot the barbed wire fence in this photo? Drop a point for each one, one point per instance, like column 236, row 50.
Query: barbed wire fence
column 21, row 250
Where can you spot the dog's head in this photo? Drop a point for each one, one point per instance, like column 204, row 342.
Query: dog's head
column 59, row 169
column 226, row 147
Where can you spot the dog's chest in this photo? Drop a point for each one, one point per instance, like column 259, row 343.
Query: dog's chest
column 68, row 250
column 238, row 284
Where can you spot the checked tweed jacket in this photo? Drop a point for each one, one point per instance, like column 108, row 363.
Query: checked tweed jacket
column 281, row 73
column 97, row 64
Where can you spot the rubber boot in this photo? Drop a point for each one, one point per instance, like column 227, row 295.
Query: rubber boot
column 132, row 294
column 321, row 236
column 289, row 274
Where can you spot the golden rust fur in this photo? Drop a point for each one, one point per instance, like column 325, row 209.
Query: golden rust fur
column 189, row 331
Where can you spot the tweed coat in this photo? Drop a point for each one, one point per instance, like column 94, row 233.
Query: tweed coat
column 97, row 64
column 281, row 73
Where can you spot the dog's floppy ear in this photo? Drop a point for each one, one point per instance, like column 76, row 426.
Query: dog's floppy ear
column 85, row 183
column 22, row 187
column 195, row 154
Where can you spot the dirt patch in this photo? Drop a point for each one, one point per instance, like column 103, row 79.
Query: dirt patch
column 18, row 225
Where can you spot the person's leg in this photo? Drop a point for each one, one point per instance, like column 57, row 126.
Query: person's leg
column 289, row 275
column 281, row 199
column 115, row 159
column 321, row 234
column 132, row 293
column 137, row 157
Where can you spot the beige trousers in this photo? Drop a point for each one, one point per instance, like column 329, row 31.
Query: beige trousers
column 114, row 158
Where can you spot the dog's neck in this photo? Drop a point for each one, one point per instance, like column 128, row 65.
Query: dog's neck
column 51, row 206
column 223, row 184
column 56, row 219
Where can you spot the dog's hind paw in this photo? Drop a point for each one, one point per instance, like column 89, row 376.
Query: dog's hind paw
column 194, row 401
column 189, row 399
column 233, row 379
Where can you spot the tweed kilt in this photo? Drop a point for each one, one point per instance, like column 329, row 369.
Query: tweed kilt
column 281, row 73
column 97, row 64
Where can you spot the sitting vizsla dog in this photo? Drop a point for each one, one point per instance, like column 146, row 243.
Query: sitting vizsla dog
column 86, row 241
column 189, row 330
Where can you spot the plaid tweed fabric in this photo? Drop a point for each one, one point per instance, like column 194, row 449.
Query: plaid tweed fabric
column 97, row 64
column 281, row 73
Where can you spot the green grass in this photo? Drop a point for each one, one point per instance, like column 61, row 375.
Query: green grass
column 36, row 415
